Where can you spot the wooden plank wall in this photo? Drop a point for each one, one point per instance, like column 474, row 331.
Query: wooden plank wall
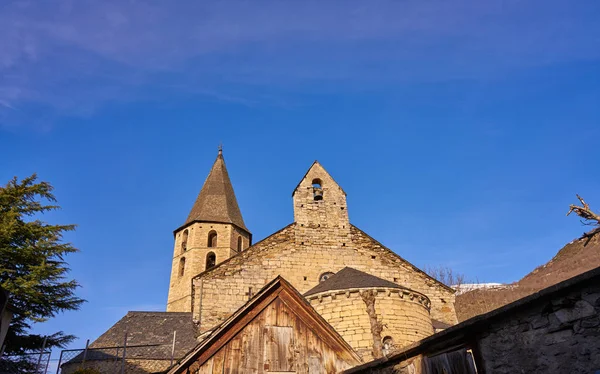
column 276, row 341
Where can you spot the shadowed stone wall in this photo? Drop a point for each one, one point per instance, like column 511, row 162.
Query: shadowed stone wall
column 558, row 336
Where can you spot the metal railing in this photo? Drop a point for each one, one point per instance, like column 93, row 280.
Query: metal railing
column 127, row 359
column 28, row 363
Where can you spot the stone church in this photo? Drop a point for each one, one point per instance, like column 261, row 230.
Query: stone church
column 358, row 299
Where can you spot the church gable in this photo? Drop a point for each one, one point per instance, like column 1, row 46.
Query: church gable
column 276, row 331
column 320, row 242
column 222, row 290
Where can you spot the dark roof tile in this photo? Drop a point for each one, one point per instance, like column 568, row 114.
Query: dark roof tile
column 216, row 201
column 151, row 328
column 351, row 278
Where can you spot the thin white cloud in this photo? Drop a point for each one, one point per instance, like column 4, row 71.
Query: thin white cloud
column 7, row 105
column 69, row 57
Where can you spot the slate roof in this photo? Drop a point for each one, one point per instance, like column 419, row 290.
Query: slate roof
column 216, row 201
column 439, row 325
column 351, row 278
column 153, row 330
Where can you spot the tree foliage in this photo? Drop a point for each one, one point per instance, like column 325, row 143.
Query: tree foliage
column 32, row 263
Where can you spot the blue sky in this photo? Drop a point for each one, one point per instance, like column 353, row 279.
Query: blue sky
column 461, row 130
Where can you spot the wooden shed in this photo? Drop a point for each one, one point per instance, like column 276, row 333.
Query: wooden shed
column 276, row 331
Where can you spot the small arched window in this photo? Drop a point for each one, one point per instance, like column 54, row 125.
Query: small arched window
column 184, row 239
column 239, row 244
column 211, row 260
column 388, row 344
column 212, row 239
column 325, row 276
column 181, row 266
column 317, row 189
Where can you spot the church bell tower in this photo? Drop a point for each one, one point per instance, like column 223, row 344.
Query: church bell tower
column 213, row 232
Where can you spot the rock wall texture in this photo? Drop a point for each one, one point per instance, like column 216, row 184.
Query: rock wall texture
column 190, row 252
column 222, row 290
column 558, row 336
column 321, row 240
column 404, row 314
column 556, row 330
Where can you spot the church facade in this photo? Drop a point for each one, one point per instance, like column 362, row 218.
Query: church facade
column 217, row 269
column 322, row 296
column 318, row 296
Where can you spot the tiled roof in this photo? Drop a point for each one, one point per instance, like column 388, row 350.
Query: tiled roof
column 351, row 278
column 216, row 201
column 151, row 328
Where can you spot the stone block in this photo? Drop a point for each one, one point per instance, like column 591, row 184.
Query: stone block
column 581, row 309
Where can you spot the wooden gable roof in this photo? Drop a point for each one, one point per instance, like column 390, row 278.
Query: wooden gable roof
column 285, row 307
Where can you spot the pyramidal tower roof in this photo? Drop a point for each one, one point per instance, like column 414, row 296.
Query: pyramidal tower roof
column 216, row 201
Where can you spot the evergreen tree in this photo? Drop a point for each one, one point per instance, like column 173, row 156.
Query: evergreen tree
column 32, row 263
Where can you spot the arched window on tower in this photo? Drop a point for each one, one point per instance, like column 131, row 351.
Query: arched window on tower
column 211, row 260
column 239, row 244
column 212, row 239
column 181, row 266
column 184, row 239
column 317, row 189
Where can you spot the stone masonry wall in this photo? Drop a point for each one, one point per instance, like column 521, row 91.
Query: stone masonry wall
column 196, row 250
column 320, row 240
column 405, row 316
column 558, row 336
column 221, row 291
column 556, row 330
column 331, row 211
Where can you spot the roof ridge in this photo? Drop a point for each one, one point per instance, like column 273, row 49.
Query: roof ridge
column 246, row 252
column 403, row 259
column 349, row 278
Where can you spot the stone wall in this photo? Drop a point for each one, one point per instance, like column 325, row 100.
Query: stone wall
column 195, row 252
column 220, row 292
column 556, row 330
column 330, row 211
column 561, row 335
column 404, row 314
column 320, row 240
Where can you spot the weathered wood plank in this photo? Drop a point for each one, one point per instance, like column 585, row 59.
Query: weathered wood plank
column 314, row 345
column 277, row 349
column 300, row 347
column 251, row 346
column 207, row 368
column 279, row 333
column 232, row 362
column 218, row 359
